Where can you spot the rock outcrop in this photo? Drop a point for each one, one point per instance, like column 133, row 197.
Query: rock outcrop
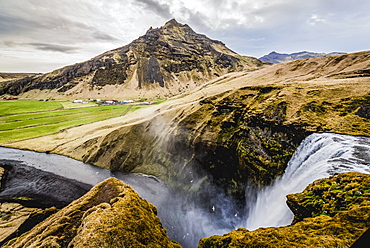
column 111, row 214
column 164, row 62
column 17, row 219
column 335, row 223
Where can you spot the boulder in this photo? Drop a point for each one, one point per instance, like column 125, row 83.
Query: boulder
column 35, row 188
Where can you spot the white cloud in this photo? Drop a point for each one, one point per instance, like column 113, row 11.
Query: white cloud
column 81, row 29
column 314, row 19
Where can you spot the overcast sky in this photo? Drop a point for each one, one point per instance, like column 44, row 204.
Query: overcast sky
column 40, row 35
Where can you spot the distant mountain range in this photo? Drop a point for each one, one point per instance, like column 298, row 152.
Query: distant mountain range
column 275, row 57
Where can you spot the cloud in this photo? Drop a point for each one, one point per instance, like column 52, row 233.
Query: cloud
column 103, row 36
column 162, row 9
column 53, row 47
column 249, row 27
column 314, row 19
column 43, row 46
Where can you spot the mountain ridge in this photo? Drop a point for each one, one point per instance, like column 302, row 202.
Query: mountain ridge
column 275, row 57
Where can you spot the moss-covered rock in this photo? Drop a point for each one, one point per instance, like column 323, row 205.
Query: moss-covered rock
column 328, row 197
column 332, row 228
column 111, row 214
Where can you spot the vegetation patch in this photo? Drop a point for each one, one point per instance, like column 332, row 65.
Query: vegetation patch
column 18, row 107
column 20, row 120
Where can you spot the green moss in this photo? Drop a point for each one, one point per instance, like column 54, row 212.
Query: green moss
column 328, row 196
column 111, row 214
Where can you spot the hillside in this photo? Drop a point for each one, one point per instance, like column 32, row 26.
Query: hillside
column 164, row 62
column 275, row 57
column 238, row 128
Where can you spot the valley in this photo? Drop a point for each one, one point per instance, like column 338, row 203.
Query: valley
column 224, row 132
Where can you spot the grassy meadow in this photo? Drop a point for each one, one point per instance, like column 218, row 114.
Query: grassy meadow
column 20, row 120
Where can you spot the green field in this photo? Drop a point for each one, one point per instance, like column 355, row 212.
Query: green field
column 21, row 120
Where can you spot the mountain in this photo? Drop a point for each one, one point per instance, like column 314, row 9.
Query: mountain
column 275, row 57
column 163, row 62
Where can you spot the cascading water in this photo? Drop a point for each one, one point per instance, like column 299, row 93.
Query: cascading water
column 318, row 156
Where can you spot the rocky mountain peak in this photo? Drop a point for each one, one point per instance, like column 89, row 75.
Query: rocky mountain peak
column 172, row 23
column 174, row 31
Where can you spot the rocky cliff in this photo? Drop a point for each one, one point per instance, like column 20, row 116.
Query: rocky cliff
column 164, row 62
column 111, row 214
column 330, row 212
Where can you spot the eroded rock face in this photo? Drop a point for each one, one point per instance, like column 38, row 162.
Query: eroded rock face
column 245, row 135
column 337, row 224
column 111, row 214
column 16, row 219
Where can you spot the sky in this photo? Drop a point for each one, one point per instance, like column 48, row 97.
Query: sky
column 40, row 36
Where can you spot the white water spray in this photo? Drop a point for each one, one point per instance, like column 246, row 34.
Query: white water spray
column 318, row 156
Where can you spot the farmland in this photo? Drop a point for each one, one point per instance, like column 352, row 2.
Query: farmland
column 21, row 120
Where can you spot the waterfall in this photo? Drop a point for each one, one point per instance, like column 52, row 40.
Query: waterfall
column 184, row 216
column 318, row 156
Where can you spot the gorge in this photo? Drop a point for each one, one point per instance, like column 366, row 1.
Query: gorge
column 184, row 216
